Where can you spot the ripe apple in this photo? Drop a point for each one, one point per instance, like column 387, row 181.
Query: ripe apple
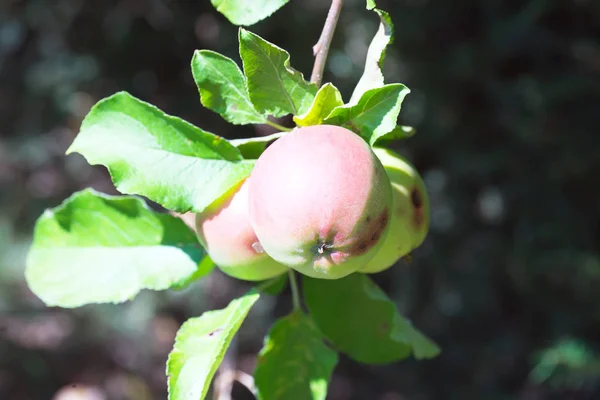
column 225, row 232
column 320, row 201
column 409, row 221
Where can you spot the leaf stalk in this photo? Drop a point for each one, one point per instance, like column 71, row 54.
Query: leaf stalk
column 278, row 127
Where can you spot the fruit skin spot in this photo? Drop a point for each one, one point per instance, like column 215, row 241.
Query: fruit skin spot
column 372, row 234
column 416, row 198
column 419, row 211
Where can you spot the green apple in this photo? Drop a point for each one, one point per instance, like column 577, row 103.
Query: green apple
column 409, row 221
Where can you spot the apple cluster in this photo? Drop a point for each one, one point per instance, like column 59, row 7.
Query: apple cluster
column 319, row 200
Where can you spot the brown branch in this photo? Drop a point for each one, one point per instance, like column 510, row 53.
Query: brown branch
column 321, row 49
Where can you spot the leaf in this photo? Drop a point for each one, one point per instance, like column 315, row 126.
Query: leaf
column 159, row 156
column 252, row 148
column 400, row 132
column 274, row 286
column 374, row 115
column 96, row 248
column 294, row 362
column 327, row 98
column 275, row 87
column 222, row 87
column 204, row 268
column 247, row 12
column 373, row 75
column 362, row 322
column 371, row 4
column 200, row 346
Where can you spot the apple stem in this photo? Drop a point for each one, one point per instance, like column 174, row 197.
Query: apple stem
column 321, row 49
column 278, row 127
column 295, row 291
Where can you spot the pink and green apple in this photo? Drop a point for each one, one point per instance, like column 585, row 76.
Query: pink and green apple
column 320, row 201
column 225, row 232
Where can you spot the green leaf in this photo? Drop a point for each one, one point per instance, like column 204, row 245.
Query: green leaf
column 200, row 346
column 362, row 322
column 222, row 88
column 96, row 248
column 373, row 75
column 275, row 87
column 274, row 286
column 327, row 98
column 252, row 148
column 371, row 4
column 204, row 268
column 247, row 12
column 374, row 115
column 159, row 156
column 400, row 132
column 294, row 362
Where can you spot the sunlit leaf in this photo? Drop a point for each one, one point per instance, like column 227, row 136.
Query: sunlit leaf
column 400, row 132
column 222, row 88
column 200, row 346
column 372, row 76
column 204, row 268
column 275, row 87
column 247, row 12
column 374, row 115
column 159, row 156
column 96, row 248
column 327, row 98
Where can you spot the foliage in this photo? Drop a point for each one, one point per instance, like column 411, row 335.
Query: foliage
column 184, row 168
column 505, row 138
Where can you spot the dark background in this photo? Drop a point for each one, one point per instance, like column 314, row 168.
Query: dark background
column 506, row 102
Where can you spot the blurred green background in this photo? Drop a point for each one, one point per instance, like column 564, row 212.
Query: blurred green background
column 506, row 102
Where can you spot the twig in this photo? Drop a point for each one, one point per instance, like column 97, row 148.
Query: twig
column 295, row 291
column 321, row 49
column 224, row 381
column 246, row 380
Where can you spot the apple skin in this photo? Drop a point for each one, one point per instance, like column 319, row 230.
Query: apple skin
column 320, row 201
column 225, row 233
column 409, row 223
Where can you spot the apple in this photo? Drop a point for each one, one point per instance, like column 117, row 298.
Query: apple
column 320, row 201
column 225, row 232
column 409, row 221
